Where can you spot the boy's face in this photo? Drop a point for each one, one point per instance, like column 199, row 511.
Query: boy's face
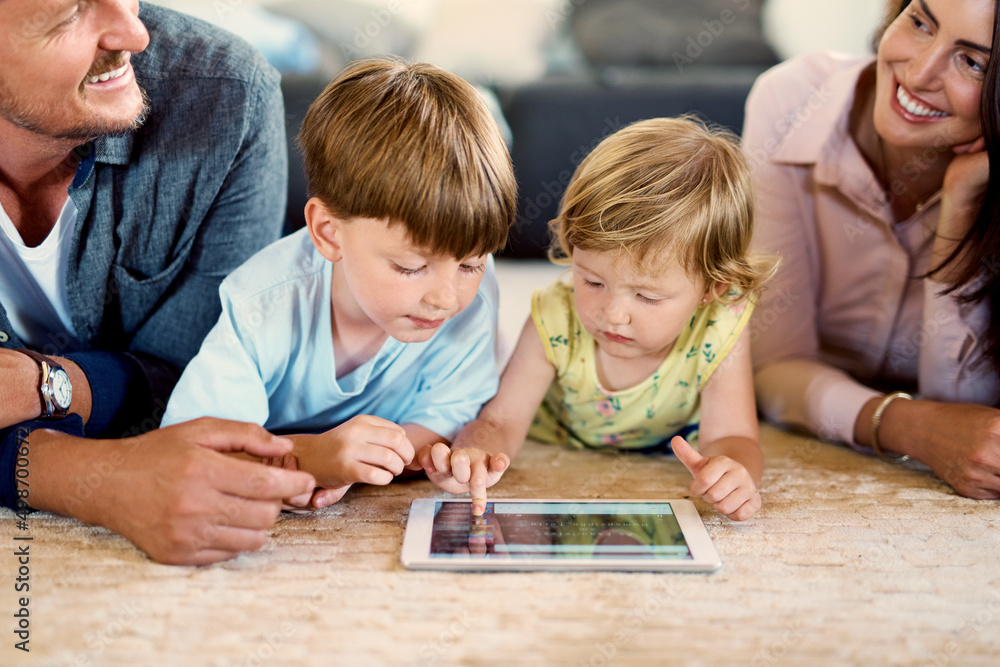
column 632, row 315
column 404, row 290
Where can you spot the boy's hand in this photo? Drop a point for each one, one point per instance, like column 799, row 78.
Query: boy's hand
column 297, row 503
column 460, row 470
column 312, row 499
column 719, row 480
column 365, row 449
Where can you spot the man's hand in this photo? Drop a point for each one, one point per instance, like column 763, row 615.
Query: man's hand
column 719, row 480
column 173, row 492
column 19, row 381
column 463, row 470
column 19, row 398
column 305, row 503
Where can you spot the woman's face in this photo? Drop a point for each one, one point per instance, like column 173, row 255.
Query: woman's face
column 931, row 64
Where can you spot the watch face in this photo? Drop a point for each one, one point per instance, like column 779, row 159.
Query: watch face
column 62, row 390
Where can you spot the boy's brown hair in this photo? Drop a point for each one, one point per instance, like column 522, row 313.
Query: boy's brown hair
column 662, row 189
column 414, row 144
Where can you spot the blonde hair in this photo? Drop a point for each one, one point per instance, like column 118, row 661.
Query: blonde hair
column 416, row 145
column 666, row 185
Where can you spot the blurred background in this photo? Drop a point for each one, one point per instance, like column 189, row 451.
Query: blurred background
column 517, row 40
column 560, row 75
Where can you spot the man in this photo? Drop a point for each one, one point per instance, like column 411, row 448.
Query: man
column 142, row 158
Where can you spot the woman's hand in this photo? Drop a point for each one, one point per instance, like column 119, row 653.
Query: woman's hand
column 965, row 184
column 960, row 442
column 963, row 448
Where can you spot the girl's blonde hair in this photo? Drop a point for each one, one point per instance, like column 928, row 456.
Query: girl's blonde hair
column 666, row 185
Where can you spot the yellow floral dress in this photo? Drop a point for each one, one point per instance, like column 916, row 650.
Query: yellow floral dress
column 578, row 412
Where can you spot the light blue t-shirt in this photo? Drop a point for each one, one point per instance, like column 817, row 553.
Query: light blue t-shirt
column 270, row 359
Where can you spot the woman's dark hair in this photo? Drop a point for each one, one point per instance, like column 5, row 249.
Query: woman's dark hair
column 979, row 277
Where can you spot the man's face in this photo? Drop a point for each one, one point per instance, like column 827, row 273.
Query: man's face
column 66, row 67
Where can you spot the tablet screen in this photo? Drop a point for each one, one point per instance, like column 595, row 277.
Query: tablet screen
column 558, row 530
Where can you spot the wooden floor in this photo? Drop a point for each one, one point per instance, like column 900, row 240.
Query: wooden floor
column 851, row 561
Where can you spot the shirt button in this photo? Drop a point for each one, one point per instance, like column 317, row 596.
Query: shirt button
column 4, row 337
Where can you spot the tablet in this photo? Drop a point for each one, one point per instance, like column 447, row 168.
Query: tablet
column 522, row 534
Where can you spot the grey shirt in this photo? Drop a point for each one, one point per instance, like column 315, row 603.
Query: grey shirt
column 165, row 213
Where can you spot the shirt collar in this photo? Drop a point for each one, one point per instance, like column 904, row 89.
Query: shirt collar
column 819, row 135
column 107, row 149
column 819, row 127
column 114, row 149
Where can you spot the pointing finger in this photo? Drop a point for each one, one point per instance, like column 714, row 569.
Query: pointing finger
column 477, row 488
column 687, row 455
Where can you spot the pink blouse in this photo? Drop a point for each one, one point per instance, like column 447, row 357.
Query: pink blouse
column 847, row 308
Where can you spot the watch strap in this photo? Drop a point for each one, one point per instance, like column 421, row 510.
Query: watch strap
column 50, row 408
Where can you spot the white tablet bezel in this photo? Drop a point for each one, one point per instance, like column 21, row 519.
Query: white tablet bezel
column 417, row 541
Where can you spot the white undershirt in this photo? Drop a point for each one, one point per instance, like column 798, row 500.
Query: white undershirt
column 33, row 284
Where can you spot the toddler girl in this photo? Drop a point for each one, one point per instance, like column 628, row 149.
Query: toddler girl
column 642, row 344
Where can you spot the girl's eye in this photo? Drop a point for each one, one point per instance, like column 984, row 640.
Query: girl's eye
column 650, row 300
column 406, row 271
column 591, row 283
column 473, row 268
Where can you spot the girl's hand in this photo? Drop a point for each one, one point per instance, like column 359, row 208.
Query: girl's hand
column 463, row 470
column 719, row 480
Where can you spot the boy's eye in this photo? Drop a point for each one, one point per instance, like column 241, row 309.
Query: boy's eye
column 405, row 270
column 473, row 268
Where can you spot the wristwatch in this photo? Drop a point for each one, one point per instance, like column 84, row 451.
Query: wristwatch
column 55, row 388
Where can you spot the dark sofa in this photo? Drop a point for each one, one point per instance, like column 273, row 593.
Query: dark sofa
column 627, row 60
column 555, row 122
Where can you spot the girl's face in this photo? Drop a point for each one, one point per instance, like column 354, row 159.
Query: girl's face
column 632, row 315
column 931, row 64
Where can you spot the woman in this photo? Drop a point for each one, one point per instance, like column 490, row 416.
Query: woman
column 871, row 178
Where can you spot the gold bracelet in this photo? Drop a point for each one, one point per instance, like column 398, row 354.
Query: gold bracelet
column 877, row 421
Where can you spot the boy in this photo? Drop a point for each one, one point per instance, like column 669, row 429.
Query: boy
column 371, row 333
